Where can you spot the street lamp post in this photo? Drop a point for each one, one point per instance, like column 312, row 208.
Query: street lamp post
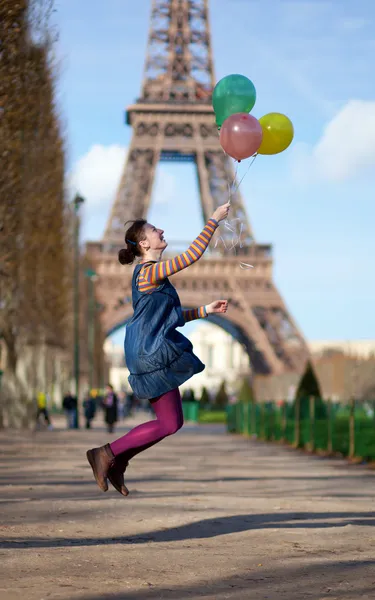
column 91, row 306
column 78, row 200
column 100, row 376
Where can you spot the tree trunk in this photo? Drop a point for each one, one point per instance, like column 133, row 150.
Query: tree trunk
column 297, row 423
column 352, row 429
column 312, row 423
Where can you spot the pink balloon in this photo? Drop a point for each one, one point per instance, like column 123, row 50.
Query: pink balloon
column 241, row 135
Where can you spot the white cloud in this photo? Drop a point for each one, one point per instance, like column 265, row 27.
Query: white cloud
column 346, row 148
column 96, row 176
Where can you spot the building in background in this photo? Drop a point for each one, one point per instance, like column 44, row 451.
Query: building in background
column 345, row 369
column 224, row 357
column 360, row 348
column 118, row 372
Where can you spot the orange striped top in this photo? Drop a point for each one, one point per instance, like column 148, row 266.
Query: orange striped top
column 190, row 314
column 151, row 275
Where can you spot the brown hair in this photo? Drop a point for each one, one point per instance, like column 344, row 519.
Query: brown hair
column 133, row 235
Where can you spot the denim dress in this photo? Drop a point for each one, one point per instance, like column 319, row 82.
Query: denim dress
column 158, row 356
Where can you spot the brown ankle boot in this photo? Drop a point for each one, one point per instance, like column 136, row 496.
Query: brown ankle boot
column 116, row 476
column 101, row 460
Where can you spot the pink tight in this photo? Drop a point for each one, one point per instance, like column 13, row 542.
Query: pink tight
column 169, row 419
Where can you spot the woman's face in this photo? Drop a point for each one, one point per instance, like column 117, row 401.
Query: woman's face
column 154, row 238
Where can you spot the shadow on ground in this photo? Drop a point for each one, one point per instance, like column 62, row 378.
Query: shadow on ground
column 208, row 528
column 286, row 583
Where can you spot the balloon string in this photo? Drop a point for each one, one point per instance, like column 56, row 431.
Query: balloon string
column 231, row 186
column 233, row 189
column 248, row 169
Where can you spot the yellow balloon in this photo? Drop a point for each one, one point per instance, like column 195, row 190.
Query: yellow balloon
column 278, row 133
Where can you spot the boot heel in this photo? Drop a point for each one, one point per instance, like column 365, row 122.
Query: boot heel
column 90, row 455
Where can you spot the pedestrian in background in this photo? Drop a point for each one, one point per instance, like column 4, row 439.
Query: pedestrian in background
column 110, row 406
column 42, row 409
column 70, row 408
column 89, row 407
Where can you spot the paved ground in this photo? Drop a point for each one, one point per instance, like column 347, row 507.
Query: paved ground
column 210, row 516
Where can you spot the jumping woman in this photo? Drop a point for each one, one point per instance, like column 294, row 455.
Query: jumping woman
column 158, row 356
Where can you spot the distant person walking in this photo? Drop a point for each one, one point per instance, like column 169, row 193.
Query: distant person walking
column 110, row 406
column 42, row 409
column 89, row 407
column 70, row 407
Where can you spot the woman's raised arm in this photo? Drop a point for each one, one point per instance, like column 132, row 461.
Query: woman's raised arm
column 155, row 273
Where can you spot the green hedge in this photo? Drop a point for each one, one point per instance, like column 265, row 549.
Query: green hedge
column 268, row 421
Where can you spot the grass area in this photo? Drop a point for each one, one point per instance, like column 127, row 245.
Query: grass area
column 212, row 416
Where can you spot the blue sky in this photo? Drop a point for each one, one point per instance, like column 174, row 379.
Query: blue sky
column 315, row 203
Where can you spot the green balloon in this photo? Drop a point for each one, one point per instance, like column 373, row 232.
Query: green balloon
column 232, row 94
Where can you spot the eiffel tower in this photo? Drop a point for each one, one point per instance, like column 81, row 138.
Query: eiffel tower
column 173, row 120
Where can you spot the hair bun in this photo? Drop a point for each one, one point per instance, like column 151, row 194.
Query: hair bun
column 126, row 256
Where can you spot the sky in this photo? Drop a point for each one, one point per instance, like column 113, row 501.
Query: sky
column 311, row 60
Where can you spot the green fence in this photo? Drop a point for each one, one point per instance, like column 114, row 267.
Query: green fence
column 191, row 411
column 196, row 413
column 347, row 430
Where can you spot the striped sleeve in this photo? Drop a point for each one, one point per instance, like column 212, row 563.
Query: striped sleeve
column 160, row 270
column 194, row 313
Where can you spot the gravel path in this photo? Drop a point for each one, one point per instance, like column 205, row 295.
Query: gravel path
column 210, row 516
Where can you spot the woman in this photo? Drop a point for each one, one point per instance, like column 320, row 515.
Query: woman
column 158, row 356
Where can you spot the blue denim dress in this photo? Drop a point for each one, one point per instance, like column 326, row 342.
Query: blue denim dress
column 158, row 356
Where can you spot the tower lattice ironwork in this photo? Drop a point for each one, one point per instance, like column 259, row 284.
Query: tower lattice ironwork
column 173, row 120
